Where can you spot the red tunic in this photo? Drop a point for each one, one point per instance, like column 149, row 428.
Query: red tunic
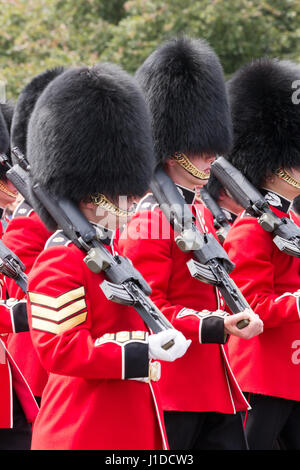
column 202, row 379
column 90, row 347
column 270, row 280
column 12, row 378
column 26, row 236
column 13, row 319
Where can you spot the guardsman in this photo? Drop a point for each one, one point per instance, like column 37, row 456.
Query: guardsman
column 184, row 86
column 89, row 140
column 18, row 407
column 267, row 150
column 26, row 234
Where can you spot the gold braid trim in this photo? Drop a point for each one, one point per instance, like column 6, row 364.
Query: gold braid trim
column 4, row 188
column 102, row 201
column 183, row 161
column 285, row 176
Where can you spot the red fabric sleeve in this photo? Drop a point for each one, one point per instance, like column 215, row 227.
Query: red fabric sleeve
column 26, row 237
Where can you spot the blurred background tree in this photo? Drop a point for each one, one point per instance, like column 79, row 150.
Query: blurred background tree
column 37, row 34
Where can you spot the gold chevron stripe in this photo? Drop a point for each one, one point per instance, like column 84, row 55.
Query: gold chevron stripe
column 58, row 315
column 56, row 302
column 58, row 328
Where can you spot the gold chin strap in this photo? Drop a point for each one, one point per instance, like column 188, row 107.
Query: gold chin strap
column 285, row 176
column 5, row 190
column 183, row 161
column 102, row 201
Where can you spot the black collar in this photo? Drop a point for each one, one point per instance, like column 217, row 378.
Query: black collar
column 276, row 200
column 188, row 194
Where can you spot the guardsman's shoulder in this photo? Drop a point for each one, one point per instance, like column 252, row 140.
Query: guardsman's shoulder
column 58, row 239
column 22, row 210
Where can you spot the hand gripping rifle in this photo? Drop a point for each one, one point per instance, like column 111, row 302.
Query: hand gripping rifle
column 124, row 285
column 210, row 262
column 221, row 223
column 286, row 234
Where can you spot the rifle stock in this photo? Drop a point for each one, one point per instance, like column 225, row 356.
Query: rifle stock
column 286, row 234
column 210, row 262
column 221, row 223
column 124, row 284
column 11, row 266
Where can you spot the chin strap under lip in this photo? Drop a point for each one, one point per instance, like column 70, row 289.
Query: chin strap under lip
column 183, row 161
column 102, row 201
column 285, row 176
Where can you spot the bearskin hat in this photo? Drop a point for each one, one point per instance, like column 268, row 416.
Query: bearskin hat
column 25, row 104
column 266, row 119
column 185, row 88
column 90, row 132
column 4, row 133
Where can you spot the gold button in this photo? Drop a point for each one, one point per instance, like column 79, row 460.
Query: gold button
column 154, row 371
column 140, row 335
column 122, row 336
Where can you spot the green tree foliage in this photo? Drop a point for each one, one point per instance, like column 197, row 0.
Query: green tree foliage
column 37, row 34
column 238, row 30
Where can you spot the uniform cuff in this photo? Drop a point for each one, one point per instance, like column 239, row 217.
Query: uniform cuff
column 134, row 349
column 19, row 317
column 136, row 360
column 211, row 329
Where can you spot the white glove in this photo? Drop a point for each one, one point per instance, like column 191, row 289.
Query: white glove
column 158, row 340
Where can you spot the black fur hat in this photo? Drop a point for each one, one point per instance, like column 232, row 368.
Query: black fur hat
column 266, row 120
column 4, row 133
column 6, row 114
column 25, row 104
column 90, row 133
column 184, row 85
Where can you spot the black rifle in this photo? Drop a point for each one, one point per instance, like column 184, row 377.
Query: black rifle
column 18, row 173
column 125, row 284
column 11, row 266
column 286, row 234
column 220, row 220
column 210, row 262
